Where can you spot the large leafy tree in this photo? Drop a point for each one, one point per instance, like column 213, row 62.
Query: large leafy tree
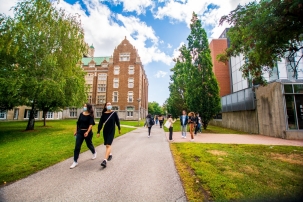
column 44, row 45
column 154, row 108
column 264, row 32
column 194, row 82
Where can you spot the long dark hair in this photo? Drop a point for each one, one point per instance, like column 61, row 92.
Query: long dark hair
column 90, row 109
column 148, row 116
column 104, row 108
column 169, row 116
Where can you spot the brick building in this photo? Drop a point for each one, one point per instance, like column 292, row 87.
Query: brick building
column 119, row 79
column 221, row 70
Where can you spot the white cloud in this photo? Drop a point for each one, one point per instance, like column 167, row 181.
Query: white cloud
column 138, row 6
column 181, row 10
column 6, row 6
column 160, row 74
column 169, row 46
column 176, row 52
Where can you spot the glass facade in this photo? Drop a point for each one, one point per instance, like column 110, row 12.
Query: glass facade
column 294, row 106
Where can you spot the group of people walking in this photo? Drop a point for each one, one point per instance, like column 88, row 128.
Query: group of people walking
column 85, row 123
column 193, row 120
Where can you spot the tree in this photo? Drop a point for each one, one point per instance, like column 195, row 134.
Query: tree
column 193, row 75
column 264, row 32
column 46, row 45
column 154, row 108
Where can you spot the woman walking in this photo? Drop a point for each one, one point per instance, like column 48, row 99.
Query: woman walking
column 149, row 123
column 109, row 119
column 156, row 119
column 84, row 132
column 192, row 124
column 161, row 120
column 171, row 121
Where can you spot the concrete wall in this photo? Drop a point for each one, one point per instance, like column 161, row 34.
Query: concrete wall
column 270, row 109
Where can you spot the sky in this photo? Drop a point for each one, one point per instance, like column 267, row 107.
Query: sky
column 157, row 28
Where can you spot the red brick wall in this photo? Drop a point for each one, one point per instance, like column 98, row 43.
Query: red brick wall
column 220, row 69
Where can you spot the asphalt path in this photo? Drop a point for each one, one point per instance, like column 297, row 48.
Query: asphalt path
column 142, row 169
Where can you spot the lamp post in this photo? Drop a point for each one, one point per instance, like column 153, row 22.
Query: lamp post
column 139, row 111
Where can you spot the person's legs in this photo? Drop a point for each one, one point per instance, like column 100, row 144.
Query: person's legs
column 196, row 129
column 79, row 141
column 89, row 143
column 191, row 131
column 161, row 122
column 108, row 151
column 149, row 129
column 183, row 129
column 170, row 133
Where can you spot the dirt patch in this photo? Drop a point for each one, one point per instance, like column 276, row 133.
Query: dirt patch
column 290, row 158
column 250, row 170
column 217, row 152
column 234, row 174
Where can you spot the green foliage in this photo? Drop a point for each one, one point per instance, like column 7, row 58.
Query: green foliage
column 264, row 32
column 26, row 152
column 194, row 86
column 41, row 47
column 154, row 108
column 240, row 172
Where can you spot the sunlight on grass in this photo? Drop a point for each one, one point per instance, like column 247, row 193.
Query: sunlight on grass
column 220, row 172
column 26, row 152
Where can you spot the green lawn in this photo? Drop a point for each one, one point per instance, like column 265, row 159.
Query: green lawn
column 210, row 129
column 26, row 152
column 218, row 172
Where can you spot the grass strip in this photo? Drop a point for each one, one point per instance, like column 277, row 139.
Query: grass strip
column 219, row 172
column 26, row 152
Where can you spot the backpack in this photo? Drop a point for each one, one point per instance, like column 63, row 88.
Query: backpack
column 151, row 122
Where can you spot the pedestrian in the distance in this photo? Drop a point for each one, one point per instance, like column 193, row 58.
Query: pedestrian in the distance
column 200, row 124
column 149, row 122
column 161, row 120
column 183, row 122
column 156, row 119
column 197, row 123
column 84, row 132
column 171, row 121
column 192, row 123
column 108, row 121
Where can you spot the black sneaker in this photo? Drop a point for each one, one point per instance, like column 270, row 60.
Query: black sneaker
column 110, row 157
column 103, row 164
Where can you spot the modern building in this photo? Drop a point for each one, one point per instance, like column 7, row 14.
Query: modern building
column 119, row 79
column 273, row 110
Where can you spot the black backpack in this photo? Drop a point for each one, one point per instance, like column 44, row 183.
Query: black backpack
column 151, row 122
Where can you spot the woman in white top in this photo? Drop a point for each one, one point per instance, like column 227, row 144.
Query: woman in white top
column 171, row 121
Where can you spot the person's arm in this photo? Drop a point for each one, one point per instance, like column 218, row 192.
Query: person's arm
column 78, row 125
column 100, row 125
column 117, row 122
column 91, row 123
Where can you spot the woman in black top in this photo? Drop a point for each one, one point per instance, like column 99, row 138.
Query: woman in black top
column 109, row 119
column 84, row 132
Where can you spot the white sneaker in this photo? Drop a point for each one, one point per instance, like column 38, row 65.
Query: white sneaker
column 148, row 136
column 192, row 140
column 73, row 165
column 94, row 156
column 184, row 137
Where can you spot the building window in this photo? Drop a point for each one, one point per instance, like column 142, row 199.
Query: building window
column 16, row 113
column 99, row 112
column 101, row 87
column 92, row 65
column 124, row 57
column 104, row 65
column 101, row 99
column 102, row 77
column 49, row 115
column 73, row 112
column 131, row 69
column 2, row 114
column 115, row 96
column 115, row 108
column 116, row 70
column 294, row 105
column 27, row 113
column 116, row 83
column 90, row 99
column 130, row 83
column 130, row 111
column 290, row 64
column 130, row 96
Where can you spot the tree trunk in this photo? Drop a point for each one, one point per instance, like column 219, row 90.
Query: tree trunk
column 31, row 119
column 44, row 118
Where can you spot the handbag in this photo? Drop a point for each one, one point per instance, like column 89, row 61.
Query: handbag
column 167, row 124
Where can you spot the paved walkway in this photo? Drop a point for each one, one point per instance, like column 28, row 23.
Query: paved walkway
column 142, row 169
column 235, row 139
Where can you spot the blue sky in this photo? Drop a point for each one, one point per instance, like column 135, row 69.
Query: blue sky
column 157, row 28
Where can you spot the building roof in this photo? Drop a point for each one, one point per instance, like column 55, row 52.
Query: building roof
column 97, row 60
